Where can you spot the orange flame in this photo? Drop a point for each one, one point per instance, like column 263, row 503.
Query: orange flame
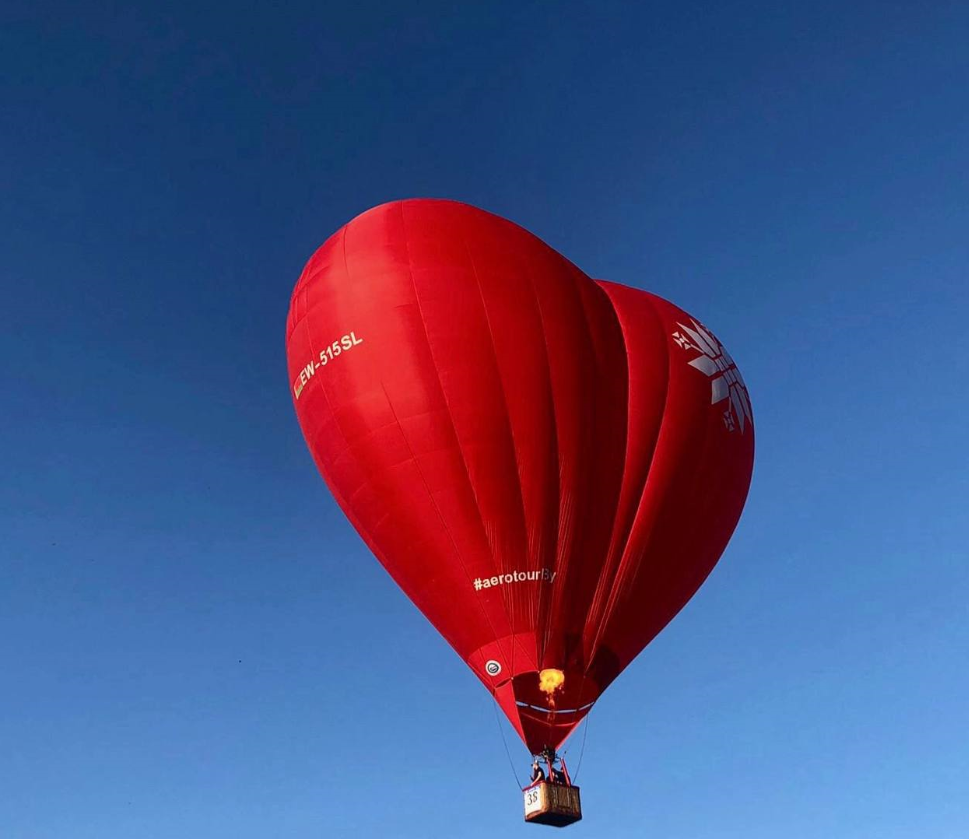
column 550, row 681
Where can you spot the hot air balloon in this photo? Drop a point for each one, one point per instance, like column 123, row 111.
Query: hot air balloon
column 549, row 466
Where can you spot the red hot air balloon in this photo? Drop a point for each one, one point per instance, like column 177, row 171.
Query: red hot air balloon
column 547, row 465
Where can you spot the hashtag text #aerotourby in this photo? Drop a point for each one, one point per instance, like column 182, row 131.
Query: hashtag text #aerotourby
column 541, row 575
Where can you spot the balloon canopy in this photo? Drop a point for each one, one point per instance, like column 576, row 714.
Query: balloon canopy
column 547, row 465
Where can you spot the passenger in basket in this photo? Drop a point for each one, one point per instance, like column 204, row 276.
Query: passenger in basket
column 538, row 774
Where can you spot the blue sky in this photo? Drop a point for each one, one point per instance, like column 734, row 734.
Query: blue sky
column 194, row 642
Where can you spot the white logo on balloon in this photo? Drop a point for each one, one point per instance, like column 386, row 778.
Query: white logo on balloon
column 726, row 381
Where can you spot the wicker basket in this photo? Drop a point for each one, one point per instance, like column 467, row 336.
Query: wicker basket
column 552, row 804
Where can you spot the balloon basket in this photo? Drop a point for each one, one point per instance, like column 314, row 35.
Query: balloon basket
column 556, row 805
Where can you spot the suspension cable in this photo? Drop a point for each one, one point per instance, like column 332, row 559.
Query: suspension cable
column 585, row 733
column 504, row 742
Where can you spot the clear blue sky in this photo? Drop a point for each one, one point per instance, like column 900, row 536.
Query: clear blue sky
column 194, row 642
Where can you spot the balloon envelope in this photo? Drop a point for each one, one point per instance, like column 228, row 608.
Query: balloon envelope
column 547, row 465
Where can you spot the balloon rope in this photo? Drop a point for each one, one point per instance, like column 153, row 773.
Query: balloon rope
column 504, row 742
column 585, row 733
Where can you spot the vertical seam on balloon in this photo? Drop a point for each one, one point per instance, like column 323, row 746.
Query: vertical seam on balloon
column 626, row 561
column 542, row 634
column 546, row 630
column 565, row 511
column 541, row 549
column 695, row 580
column 613, row 546
column 618, row 540
column 511, row 437
column 583, row 441
column 437, row 509
column 599, row 290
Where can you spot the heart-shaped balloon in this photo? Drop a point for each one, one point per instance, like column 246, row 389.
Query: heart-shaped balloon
column 547, row 465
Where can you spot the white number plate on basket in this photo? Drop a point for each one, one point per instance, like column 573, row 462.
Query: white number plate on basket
column 533, row 800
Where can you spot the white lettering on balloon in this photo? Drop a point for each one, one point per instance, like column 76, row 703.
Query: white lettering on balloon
column 327, row 355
